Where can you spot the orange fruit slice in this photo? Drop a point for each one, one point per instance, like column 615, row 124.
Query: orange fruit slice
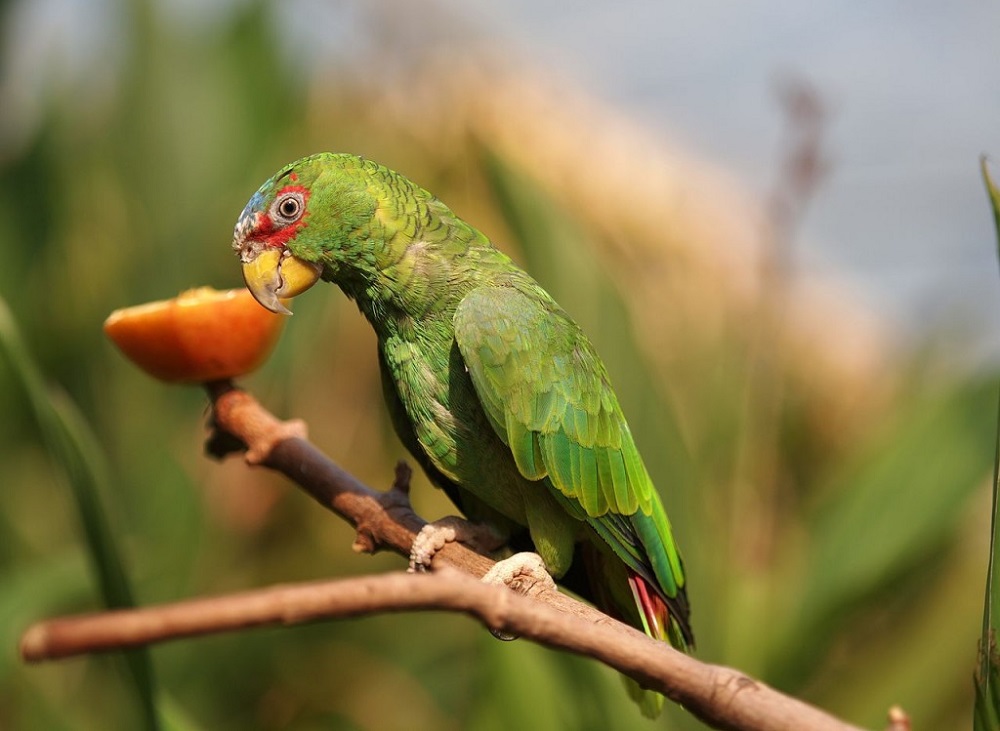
column 200, row 335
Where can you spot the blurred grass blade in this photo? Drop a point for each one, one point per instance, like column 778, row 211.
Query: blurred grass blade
column 70, row 442
column 987, row 711
column 994, row 193
column 889, row 513
column 987, row 676
column 33, row 590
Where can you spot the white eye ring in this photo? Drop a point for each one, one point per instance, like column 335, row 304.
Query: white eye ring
column 288, row 208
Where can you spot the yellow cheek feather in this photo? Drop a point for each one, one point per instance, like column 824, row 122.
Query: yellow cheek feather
column 274, row 275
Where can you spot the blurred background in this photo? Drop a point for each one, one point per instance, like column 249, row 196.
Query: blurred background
column 768, row 219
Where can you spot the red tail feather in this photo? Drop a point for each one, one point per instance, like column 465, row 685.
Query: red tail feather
column 655, row 613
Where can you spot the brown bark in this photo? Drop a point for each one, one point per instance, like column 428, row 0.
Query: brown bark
column 720, row 696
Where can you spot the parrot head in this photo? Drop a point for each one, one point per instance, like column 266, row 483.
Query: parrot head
column 296, row 226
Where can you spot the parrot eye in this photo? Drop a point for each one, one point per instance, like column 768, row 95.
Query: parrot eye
column 288, row 208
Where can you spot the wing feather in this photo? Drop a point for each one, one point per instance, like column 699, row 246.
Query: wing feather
column 548, row 396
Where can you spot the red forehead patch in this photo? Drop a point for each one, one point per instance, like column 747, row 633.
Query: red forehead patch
column 294, row 189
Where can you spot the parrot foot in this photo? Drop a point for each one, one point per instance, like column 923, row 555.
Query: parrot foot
column 433, row 537
column 524, row 573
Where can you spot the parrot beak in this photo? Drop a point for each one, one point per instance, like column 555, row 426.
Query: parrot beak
column 274, row 275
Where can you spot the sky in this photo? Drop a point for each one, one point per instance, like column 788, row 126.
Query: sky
column 912, row 91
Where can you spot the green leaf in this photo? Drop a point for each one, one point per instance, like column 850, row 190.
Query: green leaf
column 987, row 709
column 994, row 194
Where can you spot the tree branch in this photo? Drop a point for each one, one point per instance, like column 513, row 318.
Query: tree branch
column 720, row 696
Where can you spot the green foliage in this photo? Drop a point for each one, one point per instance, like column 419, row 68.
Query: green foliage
column 69, row 442
column 888, row 514
column 987, row 713
column 837, row 558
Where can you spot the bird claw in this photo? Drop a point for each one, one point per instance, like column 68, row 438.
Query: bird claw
column 434, row 536
column 524, row 573
column 431, row 539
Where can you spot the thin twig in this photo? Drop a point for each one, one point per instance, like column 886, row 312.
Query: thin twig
column 722, row 697
column 383, row 520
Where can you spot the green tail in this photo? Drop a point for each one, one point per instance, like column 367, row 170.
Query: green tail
column 649, row 701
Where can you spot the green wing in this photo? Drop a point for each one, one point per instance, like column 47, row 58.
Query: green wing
column 548, row 397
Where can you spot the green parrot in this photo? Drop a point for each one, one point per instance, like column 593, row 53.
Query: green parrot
column 491, row 386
